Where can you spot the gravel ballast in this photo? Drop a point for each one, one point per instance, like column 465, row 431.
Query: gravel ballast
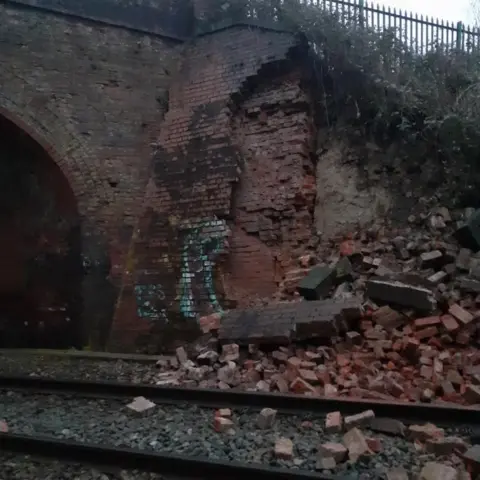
column 76, row 368
column 188, row 430
column 25, row 467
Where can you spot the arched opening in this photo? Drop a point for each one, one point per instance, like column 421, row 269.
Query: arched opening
column 40, row 247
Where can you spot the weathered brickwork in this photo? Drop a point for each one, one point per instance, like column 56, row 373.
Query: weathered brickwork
column 196, row 240
column 93, row 97
column 189, row 163
column 274, row 201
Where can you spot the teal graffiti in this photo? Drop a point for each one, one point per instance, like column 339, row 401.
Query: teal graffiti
column 148, row 297
column 201, row 246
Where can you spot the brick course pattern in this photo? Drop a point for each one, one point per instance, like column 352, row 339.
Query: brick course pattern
column 193, row 177
column 91, row 96
column 274, row 202
column 210, row 220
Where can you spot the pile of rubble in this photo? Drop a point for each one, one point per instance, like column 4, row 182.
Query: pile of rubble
column 456, row 458
column 414, row 334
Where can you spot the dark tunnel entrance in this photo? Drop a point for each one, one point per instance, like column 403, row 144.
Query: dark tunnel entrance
column 40, row 247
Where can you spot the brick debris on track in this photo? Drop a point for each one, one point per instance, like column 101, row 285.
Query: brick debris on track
column 359, row 446
column 26, row 467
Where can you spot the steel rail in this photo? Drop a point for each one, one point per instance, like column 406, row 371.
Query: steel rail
column 128, row 458
column 285, row 403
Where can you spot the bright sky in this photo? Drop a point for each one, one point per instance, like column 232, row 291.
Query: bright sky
column 451, row 10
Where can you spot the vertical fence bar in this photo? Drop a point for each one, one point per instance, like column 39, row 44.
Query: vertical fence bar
column 416, row 33
column 378, row 17
column 422, row 25
column 458, row 40
column 361, row 13
column 400, row 28
column 442, row 30
column 410, row 21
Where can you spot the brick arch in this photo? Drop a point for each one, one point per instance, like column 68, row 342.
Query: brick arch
column 69, row 153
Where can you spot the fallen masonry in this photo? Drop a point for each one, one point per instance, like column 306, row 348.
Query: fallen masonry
column 355, row 438
column 388, row 314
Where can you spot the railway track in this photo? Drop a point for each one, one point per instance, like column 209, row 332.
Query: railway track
column 28, row 400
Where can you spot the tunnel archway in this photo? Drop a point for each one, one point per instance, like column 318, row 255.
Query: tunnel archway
column 40, row 246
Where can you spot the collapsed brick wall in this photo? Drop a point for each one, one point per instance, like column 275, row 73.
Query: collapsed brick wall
column 274, row 199
column 184, row 226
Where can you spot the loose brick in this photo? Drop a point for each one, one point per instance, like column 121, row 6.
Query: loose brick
column 400, row 293
column 427, row 322
column 309, row 376
column 333, row 422
column 472, row 394
column 362, row 419
column 431, row 259
column 317, row 283
column 437, row 471
column 284, row 449
column 388, row 318
column 356, row 444
column 460, row 314
column 446, row 445
column 426, row 333
column 374, row 444
column 181, row 355
column 301, row 386
column 325, row 463
column 3, row 426
column 449, row 323
column 336, row 451
column 230, row 353
column 388, row 426
column 141, row 406
column 222, row 424
column 266, row 418
column 425, row 432
column 397, row 474
column 223, row 412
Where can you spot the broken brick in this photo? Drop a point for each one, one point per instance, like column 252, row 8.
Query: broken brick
column 460, row 314
column 317, row 283
column 362, row 419
column 388, row 318
column 472, row 394
column 223, row 412
column 445, row 446
column 141, row 406
column 449, row 323
column 284, row 449
column 388, row 426
column 230, row 353
column 427, row 322
column 356, row 444
column 301, row 386
column 309, row 376
column 437, row 471
column 334, row 450
column 400, row 293
column 431, row 259
column 425, row 432
column 222, row 424
column 266, row 418
column 333, row 422
column 181, row 355
column 374, row 444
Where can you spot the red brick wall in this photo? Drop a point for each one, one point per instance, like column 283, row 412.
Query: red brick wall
column 198, row 195
column 274, row 199
column 94, row 103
